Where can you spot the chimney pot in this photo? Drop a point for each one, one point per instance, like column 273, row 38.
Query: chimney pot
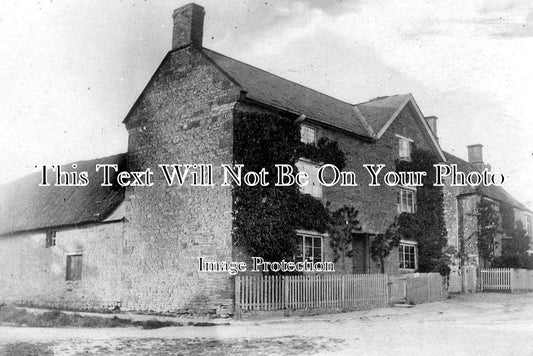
column 475, row 155
column 188, row 26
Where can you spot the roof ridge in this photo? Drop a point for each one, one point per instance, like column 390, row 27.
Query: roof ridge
column 280, row 77
column 470, row 165
column 379, row 98
column 3, row 185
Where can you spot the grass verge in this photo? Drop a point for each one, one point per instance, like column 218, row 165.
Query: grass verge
column 10, row 315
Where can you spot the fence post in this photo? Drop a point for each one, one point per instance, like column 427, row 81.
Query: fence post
column 237, row 311
column 405, row 288
column 285, row 284
column 474, row 278
column 343, row 300
column 512, row 276
column 389, row 286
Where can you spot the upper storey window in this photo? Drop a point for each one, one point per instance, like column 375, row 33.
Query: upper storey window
column 308, row 134
column 404, row 148
column 314, row 188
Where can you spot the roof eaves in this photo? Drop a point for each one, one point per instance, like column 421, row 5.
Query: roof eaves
column 226, row 74
column 339, row 127
column 363, row 121
column 410, row 99
column 59, row 227
column 428, row 129
column 392, row 118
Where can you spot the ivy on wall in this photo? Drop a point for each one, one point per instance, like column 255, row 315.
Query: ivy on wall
column 266, row 218
column 427, row 224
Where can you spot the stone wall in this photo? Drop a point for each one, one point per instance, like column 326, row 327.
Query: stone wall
column 184, row 116
column 376, row 205
column 34, row 274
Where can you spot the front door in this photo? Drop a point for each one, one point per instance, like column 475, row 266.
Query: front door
column 359, row 253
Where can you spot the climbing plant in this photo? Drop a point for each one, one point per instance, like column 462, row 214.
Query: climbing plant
column 383, row 244
column 426, row 225
column 266, row 217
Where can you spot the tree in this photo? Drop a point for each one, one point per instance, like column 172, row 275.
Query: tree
column 514, row 251
column 489, row 228
column 383, row 244
column 518, row 245
column 342, row 226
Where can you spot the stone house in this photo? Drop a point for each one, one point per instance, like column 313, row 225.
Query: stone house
column 461, row 205
column 101, row 246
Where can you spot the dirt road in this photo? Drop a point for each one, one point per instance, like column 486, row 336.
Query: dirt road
column 475, row 324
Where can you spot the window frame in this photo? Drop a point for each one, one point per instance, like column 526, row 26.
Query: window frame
column 313, row 188
column 302, row 248
column 311, row 129
column 50, row 238
column 402, row 253
column 404, row 142
column 400, row 207
column 70, row 257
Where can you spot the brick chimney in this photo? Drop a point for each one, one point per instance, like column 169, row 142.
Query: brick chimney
column 475, row 155
column 432, row 122
column 188, row 26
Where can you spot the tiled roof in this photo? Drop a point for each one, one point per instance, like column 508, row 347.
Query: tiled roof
column 24, row 205
column 276, row 91
column 494, row 192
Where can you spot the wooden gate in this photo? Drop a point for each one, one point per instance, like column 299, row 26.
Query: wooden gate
column 496, row 279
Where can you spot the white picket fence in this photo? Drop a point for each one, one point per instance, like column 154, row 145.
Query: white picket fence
column 256, row 293
column 496, row 279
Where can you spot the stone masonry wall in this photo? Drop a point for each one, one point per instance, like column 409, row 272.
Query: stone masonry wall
column 185, row 116
column 33, row 274
column 376, row 205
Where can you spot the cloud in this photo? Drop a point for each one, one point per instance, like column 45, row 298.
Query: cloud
column 465, row 61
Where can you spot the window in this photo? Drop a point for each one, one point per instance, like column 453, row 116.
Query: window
column 313, row 186
column 50, row 238
column 74, row 265
column 404, row 148
column 405, row 200
column 408, row 255
column 309, row 247
column 528, row 226
column 307, row 134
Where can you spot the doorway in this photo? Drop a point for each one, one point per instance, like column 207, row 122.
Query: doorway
column 360, row 253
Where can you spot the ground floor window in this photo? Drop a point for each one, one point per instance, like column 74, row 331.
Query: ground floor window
column 74, row 265
column 408, row 255
column 310, row 247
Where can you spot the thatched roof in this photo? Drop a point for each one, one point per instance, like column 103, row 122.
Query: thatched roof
column 24, row 205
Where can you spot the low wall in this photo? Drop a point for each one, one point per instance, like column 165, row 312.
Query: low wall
column 523, row 280
column 465, row 280
column 418, row 288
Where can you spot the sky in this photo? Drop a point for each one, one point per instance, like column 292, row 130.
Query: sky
column 71, row 70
